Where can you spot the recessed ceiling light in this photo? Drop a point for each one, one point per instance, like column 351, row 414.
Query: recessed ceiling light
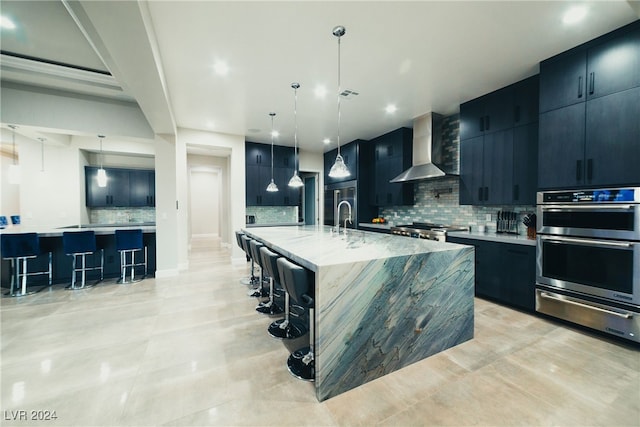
column 326, row 141
column 221, row 68
column 391, row 108
column 574, row 14
column 275, row 133
column 320, row 91
column 6, row 23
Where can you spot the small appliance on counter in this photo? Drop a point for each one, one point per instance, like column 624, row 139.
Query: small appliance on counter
column 507, row 222
column 250, row 219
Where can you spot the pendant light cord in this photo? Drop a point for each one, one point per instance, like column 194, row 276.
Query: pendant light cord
column 295, row 120
column 13, row 139
column 272, row 114
column 339, row 90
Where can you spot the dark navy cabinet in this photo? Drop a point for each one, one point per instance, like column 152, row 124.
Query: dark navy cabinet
column 504, row 272
column 125, row 188
column 589, row 108
column 258, row 172
column 392, row 156
column 492, row 143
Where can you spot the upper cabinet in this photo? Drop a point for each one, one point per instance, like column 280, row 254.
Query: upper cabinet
column 258, row 175
column 125, row 188
column 392, row 156
column 589, row 109
column 498, row 146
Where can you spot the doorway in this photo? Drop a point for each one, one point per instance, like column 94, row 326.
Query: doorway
column 310, row 206
column 205, row 203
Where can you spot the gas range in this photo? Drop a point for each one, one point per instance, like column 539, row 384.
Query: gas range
column 425, row 230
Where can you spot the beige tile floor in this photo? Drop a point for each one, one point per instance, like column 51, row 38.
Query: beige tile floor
column 191, row 350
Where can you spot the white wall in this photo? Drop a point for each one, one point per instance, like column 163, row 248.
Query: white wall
column 167, row 237
column 9, row 193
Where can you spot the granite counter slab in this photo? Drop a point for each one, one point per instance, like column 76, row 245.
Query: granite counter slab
column 57, row 232
column 382, row 302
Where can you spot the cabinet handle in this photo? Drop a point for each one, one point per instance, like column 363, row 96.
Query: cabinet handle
column 579, row 86
column 516, row 117
column 578, row 170
column 516, row 192
column 591, row 83
column 487, row 123
column 106, row 201
column 481, row 124
column 589, row 169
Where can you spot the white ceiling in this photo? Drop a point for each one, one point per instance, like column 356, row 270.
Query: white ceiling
column 421, row 56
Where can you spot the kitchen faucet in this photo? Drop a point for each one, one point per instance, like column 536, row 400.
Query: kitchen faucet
column 337, row 222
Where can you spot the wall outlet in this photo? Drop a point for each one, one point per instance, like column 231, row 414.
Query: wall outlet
column 488, row 217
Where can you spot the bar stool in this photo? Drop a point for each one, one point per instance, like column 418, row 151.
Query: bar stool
column 245, row 280
column 19, row 248
column 245, row 246
column 269, row 260
column 301, row 363
column 3, row 221
column 254, row 247
column 130, row 242
column 79, row 244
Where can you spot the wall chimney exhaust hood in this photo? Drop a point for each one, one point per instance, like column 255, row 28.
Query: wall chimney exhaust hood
column 427, row 150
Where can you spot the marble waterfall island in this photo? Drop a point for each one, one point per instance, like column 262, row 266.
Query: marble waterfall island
column 382, row 301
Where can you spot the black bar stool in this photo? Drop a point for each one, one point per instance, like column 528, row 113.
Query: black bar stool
column 79, row 244
column 130, row 242
column 239, row 234
column 245, row 246
column 297, row 282
column 269, row 260
column 19, row 248
column 254, row 247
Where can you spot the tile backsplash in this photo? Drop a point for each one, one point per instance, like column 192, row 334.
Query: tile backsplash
column 273, row 214
column 121, row 215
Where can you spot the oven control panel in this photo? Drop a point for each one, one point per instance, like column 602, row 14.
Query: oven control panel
column 603, row 195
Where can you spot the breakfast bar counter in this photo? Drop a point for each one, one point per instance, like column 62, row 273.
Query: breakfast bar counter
column 382, row 302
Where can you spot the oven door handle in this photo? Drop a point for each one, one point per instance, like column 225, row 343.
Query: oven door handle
column 569, row 208
column 624, row 315
column 586, row 242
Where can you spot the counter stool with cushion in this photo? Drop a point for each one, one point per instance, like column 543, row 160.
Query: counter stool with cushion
column 254, row 247
column 239, row 234
column 129, row 242
column 269, row 262
column 3, row 221
column 79, row 244
column 247, row 250
column 19, row 248
column 301, row 363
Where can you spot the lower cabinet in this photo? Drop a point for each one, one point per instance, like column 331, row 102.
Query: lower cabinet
column 504, row 272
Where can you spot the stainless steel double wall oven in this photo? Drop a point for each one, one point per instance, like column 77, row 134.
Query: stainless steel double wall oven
column 588, row 258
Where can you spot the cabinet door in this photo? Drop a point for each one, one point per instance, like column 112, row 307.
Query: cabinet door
column 472, row 119
column 118, row 183
column 563, row 81
column 614, row 65
column 139, row 188
column 253, row 191
column 497, row 167
column 613, row 139
column 95, row 196
column 257, row 154
column 525, row 101
column 498, row 110
column 519, row 277
column 525, row 164
column 561, row 147
column 471, row 185
column 152, row 188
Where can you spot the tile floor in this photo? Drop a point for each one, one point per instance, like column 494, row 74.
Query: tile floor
column 191, row 351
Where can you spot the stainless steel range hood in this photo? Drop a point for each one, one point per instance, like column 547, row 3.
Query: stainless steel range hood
column 427, row 150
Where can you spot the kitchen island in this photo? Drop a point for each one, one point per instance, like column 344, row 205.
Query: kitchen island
column 382, row 301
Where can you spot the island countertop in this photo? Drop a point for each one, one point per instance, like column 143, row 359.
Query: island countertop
column 99, row 229
column 381, row 301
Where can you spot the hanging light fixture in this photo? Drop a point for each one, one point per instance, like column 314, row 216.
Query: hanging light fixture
column 272, row 187
column 42, row 140
column 102, row 174
column 14, row 169
column 295, row 180
column 339, row 169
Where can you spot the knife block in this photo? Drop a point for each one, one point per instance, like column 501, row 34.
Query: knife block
column 531, row 232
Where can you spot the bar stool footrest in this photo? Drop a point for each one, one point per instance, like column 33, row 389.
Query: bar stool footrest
column 292, row 331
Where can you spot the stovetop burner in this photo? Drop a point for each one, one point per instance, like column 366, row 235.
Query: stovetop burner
column 426, row 230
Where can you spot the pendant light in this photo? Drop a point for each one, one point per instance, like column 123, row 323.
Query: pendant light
column 272, row 187
column 102, row 174
column 339, row 169
column 295, row 180
column 14, row 169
